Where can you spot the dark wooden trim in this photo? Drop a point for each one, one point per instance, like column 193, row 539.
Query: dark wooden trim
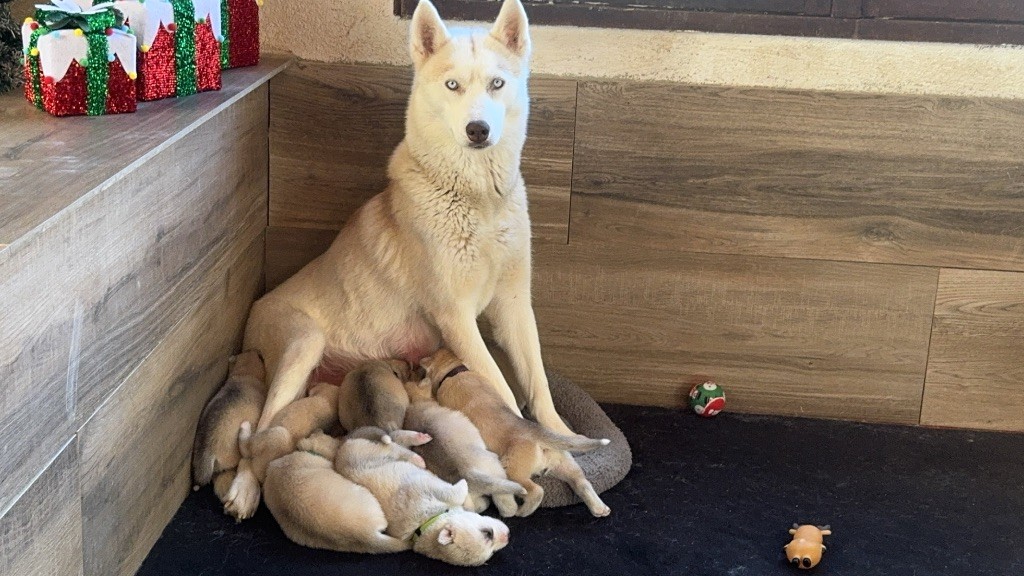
column 977, row 22
column 993, row 11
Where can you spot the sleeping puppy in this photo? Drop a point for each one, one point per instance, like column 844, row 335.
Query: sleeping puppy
column 318, row 411
column 319, row 508
column 526, row 448
column 419, row 506
column 373, row 394
column 457, row 451
column 215, row 453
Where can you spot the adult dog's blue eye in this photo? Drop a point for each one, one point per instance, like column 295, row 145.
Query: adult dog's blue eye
column 452, row 85
column 497, row 83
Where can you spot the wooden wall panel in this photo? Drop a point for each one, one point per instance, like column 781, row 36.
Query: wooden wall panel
column 65, row 348
column 874, row 178
column 334, row 126
column 136, row 450
column 784, row 336
column 41, row 535
column 976, row 366
column 289, row 249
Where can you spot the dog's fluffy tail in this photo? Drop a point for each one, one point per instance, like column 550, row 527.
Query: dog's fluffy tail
column 577, row 443
column 487, row 484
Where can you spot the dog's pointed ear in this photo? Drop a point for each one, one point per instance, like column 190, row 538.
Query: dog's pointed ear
column 427, row 34
column 512, row 28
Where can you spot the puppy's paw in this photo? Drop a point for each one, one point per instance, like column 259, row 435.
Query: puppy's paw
column 410, row 438
column 601, row 511
column 243, row 497
column 419, row 462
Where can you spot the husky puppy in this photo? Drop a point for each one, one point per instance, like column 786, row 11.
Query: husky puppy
column 526, row 448
column 446, row 241
column 215, row 453
column 319, row 508
column 419, row 506
column 457, row 451
column 374, row 395
column 318, row 411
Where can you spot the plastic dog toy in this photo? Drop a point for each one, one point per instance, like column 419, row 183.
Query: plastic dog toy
column 804, row 551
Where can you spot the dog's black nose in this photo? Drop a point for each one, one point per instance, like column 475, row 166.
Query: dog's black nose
column 478, row 132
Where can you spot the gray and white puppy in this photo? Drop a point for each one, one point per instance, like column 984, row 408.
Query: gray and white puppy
column 215, row 453
column 373, row 394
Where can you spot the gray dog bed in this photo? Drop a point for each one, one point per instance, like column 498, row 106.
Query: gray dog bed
column 604, row 467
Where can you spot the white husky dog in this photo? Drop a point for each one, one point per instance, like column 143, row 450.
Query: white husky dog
column 447, row 240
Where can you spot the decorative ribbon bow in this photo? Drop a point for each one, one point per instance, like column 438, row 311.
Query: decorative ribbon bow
column 64, row 14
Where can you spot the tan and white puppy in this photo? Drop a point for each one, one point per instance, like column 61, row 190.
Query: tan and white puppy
column 373, row 394
column 319, row 508
column 215, row 453
column 318, row 411
column 419, row 506
column 446, row 241
column 526, row 448
column 457, row 451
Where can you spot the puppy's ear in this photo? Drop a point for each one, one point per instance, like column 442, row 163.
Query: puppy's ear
column 427, row 34
column 512, row 28
column 446, row 536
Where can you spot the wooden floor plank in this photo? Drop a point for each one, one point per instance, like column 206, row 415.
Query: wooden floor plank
column 976, row 364
column 136, row 449
column 784, row 336
column 334, row 126
column 41, row 535
column 920, row 180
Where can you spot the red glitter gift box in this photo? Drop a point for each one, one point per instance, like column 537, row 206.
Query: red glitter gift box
column 78, row 60
column 240, row 27
column 179, row 44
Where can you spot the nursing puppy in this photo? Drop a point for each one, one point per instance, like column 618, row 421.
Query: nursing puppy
column 319, row 508
column 419, row 506
column 526, row 448
column 215, row 453
column 457, row 451
column 374, row 395
column 296, row 421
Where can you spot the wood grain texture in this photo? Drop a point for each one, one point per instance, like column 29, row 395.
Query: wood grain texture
column 98, row 287
column 136, row 449
column 47, row 163
column 784, row 336
column 872, row 178
column 334, row 126
column 41, row 535
column 289, row 249
column 975, row 368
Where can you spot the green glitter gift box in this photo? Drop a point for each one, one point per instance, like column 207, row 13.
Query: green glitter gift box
column 79, row 60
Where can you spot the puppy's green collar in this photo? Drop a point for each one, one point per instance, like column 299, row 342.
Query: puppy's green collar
column 426, row 525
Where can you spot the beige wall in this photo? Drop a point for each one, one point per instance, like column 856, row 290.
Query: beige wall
column 366, row 31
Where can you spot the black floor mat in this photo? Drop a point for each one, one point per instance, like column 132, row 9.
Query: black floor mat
column 708, row 497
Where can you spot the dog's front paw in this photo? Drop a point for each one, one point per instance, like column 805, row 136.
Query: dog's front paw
column 601, row 511
column 243, row 497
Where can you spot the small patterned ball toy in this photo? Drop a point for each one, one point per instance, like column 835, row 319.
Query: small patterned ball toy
column 707, row 399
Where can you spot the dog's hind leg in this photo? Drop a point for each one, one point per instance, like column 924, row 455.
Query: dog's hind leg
column 292, row 345
column 565, row 468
